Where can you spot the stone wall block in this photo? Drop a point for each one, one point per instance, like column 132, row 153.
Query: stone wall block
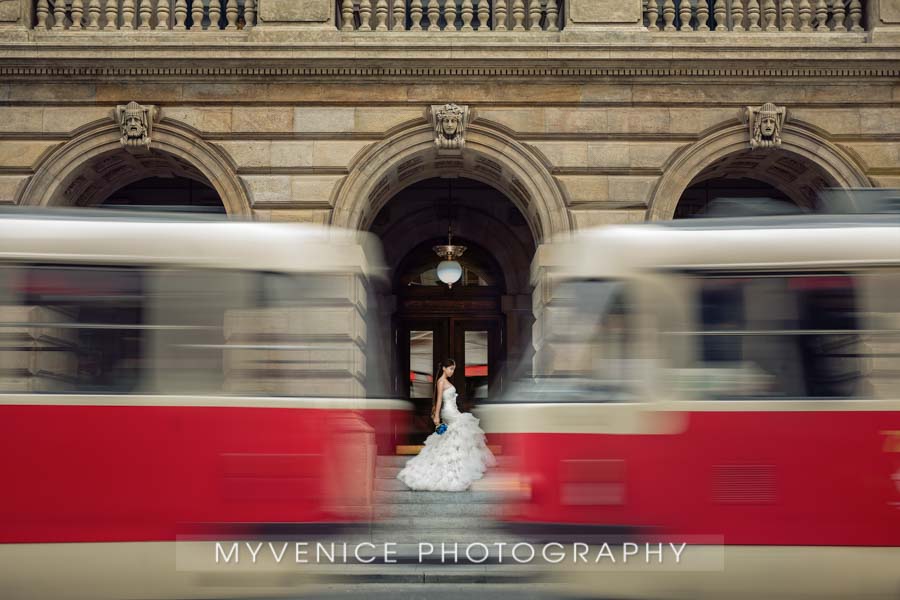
column 296, row 12
column 604, row 13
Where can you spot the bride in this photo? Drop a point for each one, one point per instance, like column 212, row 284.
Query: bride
column 451, row 461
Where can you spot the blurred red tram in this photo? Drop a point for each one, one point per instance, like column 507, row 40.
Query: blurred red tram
column 169, row 379
column 732, row 383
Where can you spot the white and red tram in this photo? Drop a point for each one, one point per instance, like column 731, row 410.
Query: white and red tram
column 167, row 379
column 734, row 382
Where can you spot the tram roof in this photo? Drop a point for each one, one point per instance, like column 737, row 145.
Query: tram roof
column 141, row 238
column 783, row 242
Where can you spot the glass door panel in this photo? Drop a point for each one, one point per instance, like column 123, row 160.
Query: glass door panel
column 476, row 364
column 421, row 343
column 421, row 363
column 476, row 345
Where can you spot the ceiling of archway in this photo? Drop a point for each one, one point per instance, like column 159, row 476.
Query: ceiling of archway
column 480, row 214
column 108, row 173
column 798, row 178
column 417, row 169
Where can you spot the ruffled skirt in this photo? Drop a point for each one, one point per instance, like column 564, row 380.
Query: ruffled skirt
column 452, row 461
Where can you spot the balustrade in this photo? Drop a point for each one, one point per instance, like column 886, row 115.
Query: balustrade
column 145, row 15
column 754, row 15
column 450, row 15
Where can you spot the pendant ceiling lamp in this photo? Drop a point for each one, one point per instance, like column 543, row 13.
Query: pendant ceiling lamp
column 449, row 270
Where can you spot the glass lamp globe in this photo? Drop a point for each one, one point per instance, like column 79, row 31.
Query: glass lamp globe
column 449, row 271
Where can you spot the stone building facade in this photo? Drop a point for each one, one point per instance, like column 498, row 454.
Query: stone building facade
column 548, row 116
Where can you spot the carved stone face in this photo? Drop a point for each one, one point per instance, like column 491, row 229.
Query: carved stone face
column 767, row 126
column 134, row 128
column 449, row 124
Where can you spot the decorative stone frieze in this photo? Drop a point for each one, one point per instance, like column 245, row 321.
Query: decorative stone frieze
column 449, row 122
column 766, row 123
column 136, row 123
column 216, row 71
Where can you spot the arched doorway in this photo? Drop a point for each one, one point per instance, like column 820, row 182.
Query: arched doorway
column 483, row 321
column 754, row 183
column 88, row 169
column 805, row 163
column 153, row 181
column 168, row 194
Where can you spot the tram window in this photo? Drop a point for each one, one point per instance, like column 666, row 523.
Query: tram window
column 596, row 338
column 188, row 309
column 593, row 354
column 70, row 328
column 777, row 336
column 285, row 343
column 296, row 289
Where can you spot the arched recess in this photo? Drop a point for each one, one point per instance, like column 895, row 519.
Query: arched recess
column 60, row 180
column 490, row 156
column 836, row 166
column 481, row 214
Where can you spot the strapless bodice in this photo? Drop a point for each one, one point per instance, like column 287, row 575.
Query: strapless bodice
column 449, row 411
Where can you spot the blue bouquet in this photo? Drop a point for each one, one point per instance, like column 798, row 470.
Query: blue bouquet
column 441, row 429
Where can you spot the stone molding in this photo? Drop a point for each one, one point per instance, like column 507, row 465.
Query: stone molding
column 841, row 73
column 491, row 156
column 59, row 169
column 796, row 138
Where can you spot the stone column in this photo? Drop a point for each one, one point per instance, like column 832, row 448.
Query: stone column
column 294, row 13
column 592, row 14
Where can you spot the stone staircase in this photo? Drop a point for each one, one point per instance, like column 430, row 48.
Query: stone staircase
column 407, row 518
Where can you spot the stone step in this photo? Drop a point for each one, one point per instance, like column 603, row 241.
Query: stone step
column 437, row 536
column 412, row 497
column 386, row 472
column 527, row 586
column 413, row 449
column 430, row 573
column 435, row 551
column 390, row 485
column 475, row 509
column 391, row 460
column 421, row 523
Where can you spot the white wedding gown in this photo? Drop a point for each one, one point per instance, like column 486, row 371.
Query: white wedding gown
column 450, row 462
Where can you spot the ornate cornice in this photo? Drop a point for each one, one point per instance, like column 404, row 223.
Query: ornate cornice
column 837, row 73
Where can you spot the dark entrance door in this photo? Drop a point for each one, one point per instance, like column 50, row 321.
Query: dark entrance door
column 475, row 343
column 462, row 323
column 434, row 321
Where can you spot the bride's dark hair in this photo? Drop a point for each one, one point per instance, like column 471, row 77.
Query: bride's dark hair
column 447, row 362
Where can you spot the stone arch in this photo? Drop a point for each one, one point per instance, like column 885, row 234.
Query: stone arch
column 490, row 156
column 56, row 180
column 835, row 165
